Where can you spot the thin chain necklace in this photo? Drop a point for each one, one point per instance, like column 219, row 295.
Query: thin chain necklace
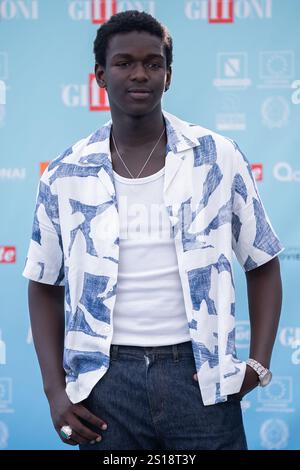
column 148, row 158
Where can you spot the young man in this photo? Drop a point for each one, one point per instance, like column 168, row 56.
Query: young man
column 133, row 239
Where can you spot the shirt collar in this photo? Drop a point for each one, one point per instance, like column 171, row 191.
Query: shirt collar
column 180, row 137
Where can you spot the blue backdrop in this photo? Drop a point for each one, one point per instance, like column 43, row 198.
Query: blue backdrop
column 236, row 71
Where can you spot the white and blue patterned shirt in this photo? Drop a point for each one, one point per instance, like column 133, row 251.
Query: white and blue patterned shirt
column 214, row 210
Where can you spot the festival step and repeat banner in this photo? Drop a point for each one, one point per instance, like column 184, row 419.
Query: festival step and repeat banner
column 236, row 71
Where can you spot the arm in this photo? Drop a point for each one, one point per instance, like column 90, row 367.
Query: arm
column 264, row 299
column 46, row 307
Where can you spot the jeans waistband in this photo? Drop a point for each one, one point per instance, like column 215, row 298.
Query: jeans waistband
column 173, row 350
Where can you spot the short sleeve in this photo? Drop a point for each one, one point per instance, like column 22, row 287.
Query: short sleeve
column 45, row 261
column 254, row 240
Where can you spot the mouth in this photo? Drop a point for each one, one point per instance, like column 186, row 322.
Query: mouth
column 139, row 93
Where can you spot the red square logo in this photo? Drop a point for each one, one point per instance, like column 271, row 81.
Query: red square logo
column 102, row 10
column 257, row 169
column 7, row 254
column 98, row 100
column 220, row 11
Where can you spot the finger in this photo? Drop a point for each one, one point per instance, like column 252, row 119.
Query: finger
column 69, row 442
column 79, row 429
column 79, row 439
column 74, row 440
column 90, row 417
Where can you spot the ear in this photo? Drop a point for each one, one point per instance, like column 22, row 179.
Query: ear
column 100, row 75
column 168, row 78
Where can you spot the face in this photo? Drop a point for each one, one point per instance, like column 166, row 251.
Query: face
column 135, row 75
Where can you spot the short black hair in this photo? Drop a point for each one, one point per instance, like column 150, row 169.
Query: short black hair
column 126, row 22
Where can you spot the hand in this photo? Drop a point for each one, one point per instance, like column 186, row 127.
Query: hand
column 64, row 412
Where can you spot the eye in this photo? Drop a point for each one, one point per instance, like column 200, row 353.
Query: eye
column 123, row 64
column 153, row 65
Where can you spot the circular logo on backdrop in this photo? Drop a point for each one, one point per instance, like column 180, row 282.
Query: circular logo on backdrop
column 275, row 112
column 277, row 65
column 276, row 390
column 274, row 434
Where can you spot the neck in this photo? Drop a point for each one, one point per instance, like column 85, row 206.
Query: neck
column 132, row 131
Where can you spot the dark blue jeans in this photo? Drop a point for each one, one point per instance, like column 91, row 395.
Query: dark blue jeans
column 150, row 401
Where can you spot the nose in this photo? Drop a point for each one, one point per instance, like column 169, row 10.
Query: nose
column 139, row 72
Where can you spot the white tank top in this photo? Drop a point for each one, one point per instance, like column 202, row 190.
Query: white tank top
column 149, row 308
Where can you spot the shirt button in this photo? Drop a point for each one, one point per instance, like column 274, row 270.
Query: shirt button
column 107, row 329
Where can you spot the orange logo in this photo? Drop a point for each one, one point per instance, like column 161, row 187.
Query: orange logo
column 43, row 166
